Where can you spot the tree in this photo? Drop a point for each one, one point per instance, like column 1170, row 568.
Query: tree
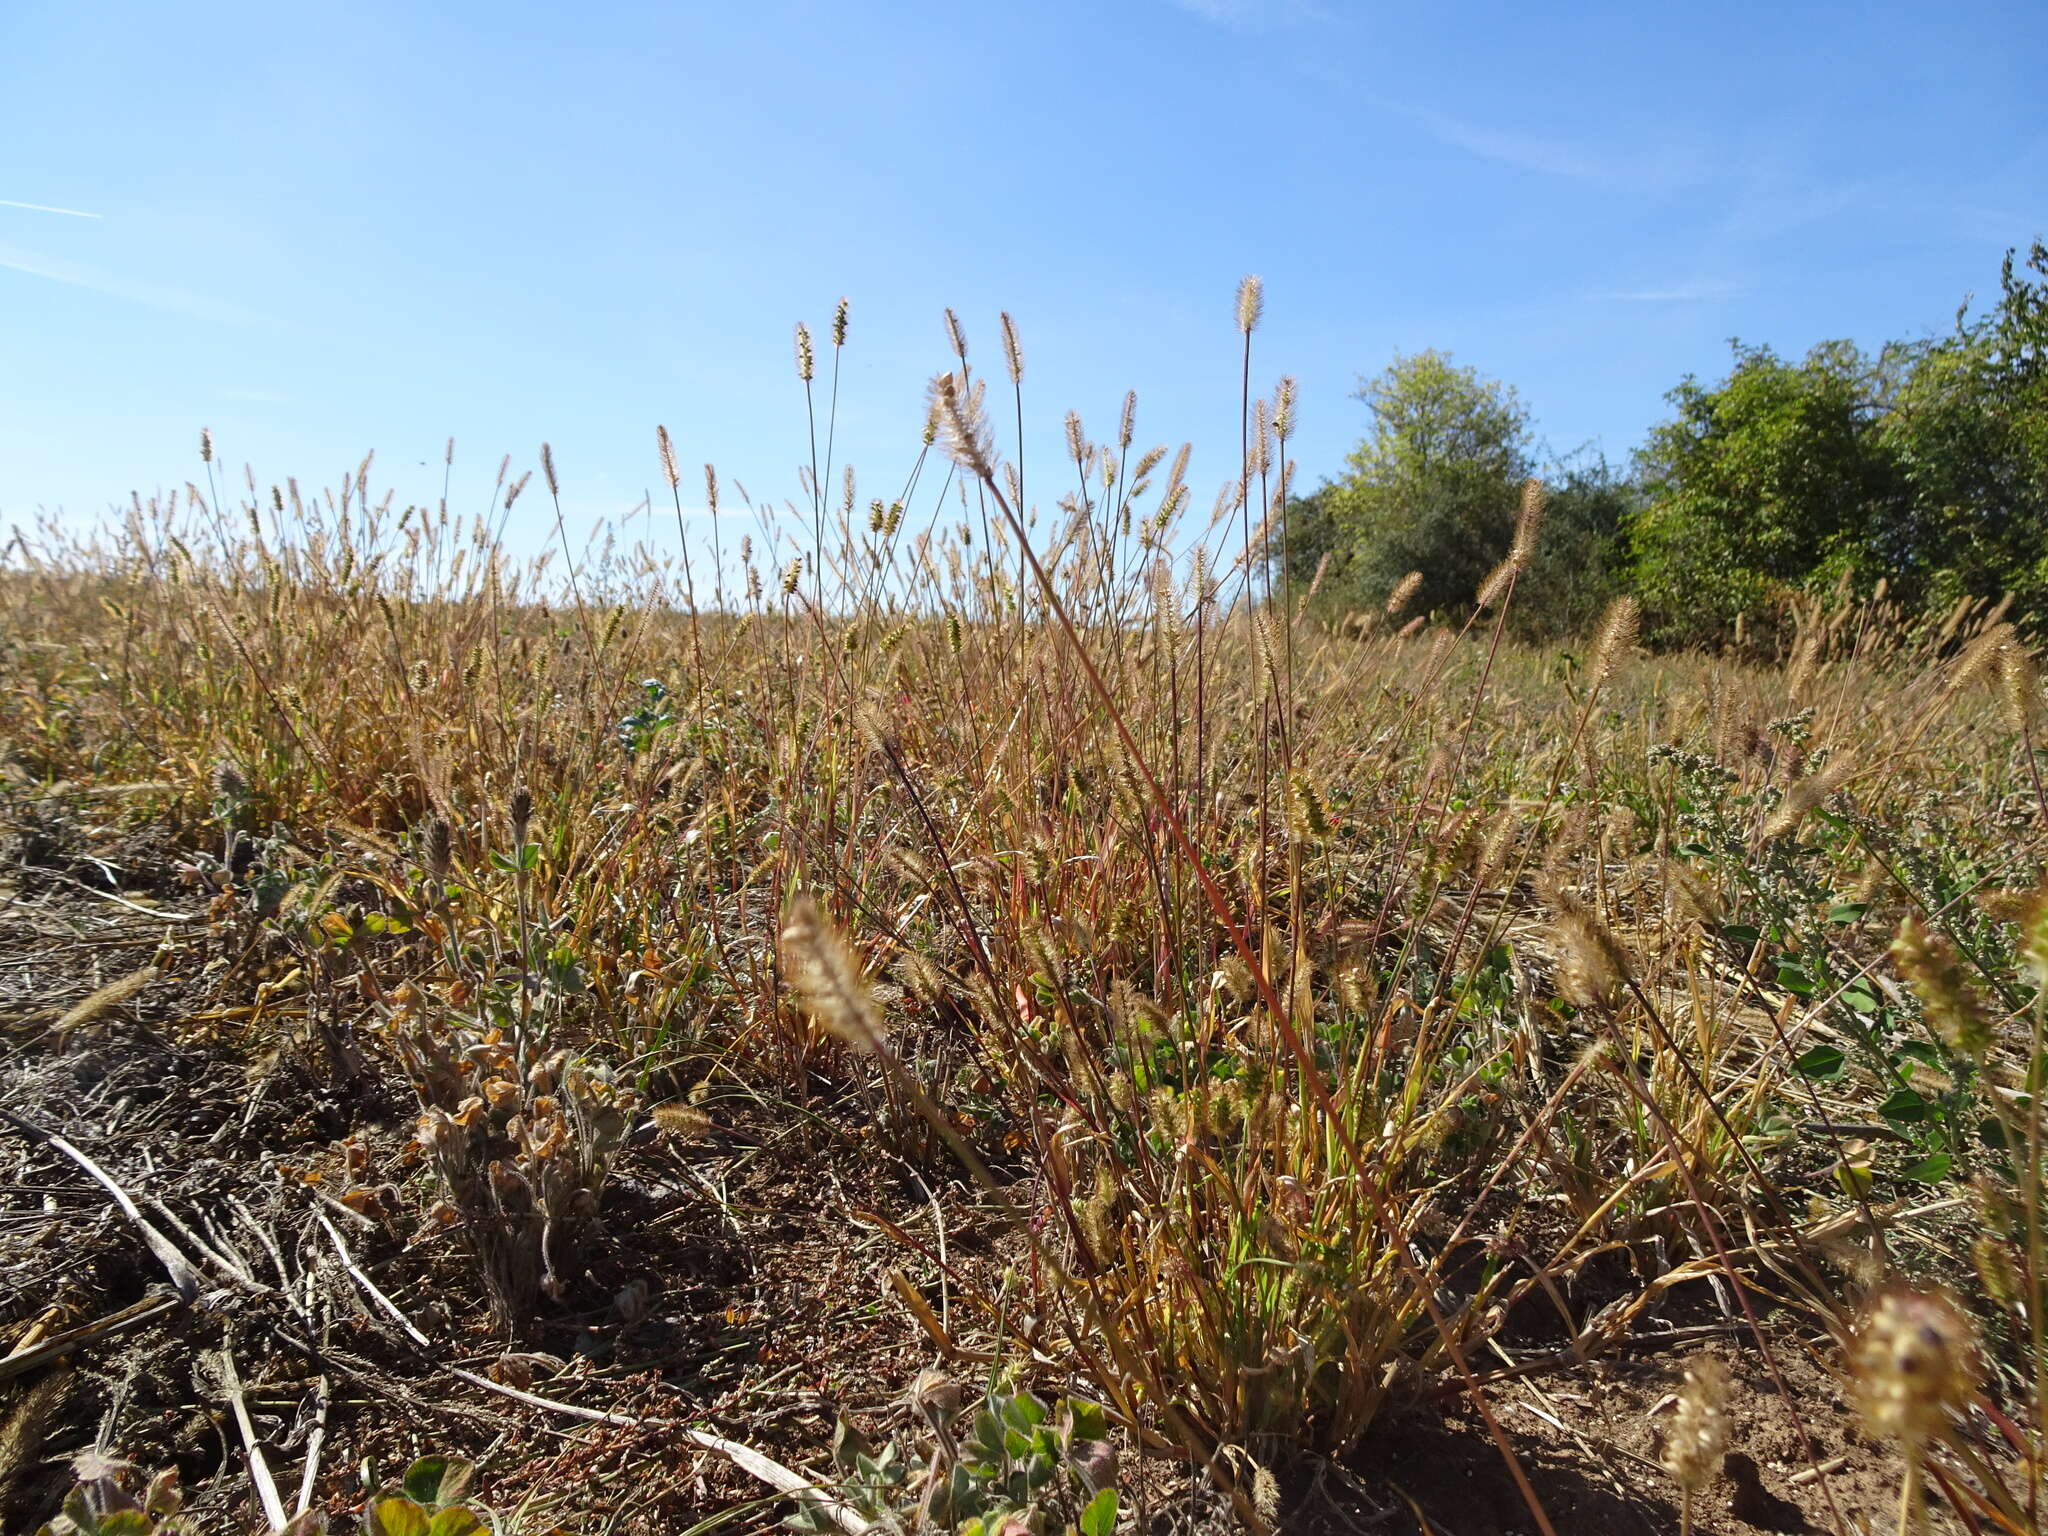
column 1773, row 479
column 1578, row 566
column 1969, row 430
column 1432, row 487
column 1310, row 545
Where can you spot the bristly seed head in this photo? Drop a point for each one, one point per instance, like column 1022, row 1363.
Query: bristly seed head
column 828, row 979
column 440, row 847
column 1914, row 1360
column 1251, row 302
column 206, row 445
column 1617, row 638
column 1404, row 590
column 1592, row 966
column 521, row 810
column 669, row 472
column 959, row 416
column 1699, row 1431
column 806, row 359
column 1013, row 349
column 839, row 324
column 1528, row 521
column 547, row 469
column 2019, row 685
column 1934, row 971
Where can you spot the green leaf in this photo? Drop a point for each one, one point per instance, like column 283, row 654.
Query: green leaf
column 455, row 1520
column 1931, row 1169
column 1848, row 911
column 1860, row 999
column 396, row 1515
column 126, row 1522
column 1793, row 977
column 1086, row 1420
column 1024, row 1411
column 849, row 1445
column 1099, row 1518
column 1925, row 1052
column 426, row 1481
column 1823, row 1063
column 79, row 1511
column 1991, row 1133
column 1740, row 933
column 1906, row 1106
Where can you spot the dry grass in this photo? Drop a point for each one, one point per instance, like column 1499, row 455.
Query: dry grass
column 1312, row 1009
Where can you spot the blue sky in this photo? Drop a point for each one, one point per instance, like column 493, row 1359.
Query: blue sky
column 319, row 229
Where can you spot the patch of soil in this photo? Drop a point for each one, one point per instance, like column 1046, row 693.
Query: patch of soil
column 1588, row 1441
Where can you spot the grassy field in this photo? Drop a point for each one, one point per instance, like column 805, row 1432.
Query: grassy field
column 1007, row 1019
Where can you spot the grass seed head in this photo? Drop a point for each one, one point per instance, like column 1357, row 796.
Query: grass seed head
column 669, row 472
column 1592, row 966
column 2019, row 685
column 828, row 978
column 1283, row 408
column 1528, row 521
column 1931, row 967
column 1251, row 302
column 1013, row 349
column 957, row 410
column 1617, row 638
column 1914, row 1361
column 685, row 1122
column 439, row 847
column 1699, row 1430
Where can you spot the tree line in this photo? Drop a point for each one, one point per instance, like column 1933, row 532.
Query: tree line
column 1923, row 465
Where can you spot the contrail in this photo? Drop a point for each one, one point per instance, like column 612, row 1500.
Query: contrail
column 46, row 208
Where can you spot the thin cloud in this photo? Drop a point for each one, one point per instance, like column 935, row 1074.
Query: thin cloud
column 131, row 290
column 1522, row 151
column 1240, row 12
column 69, row 213
column 1705, row 291
column 1552, row 157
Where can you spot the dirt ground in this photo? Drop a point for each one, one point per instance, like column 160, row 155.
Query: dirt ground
column 741, row 1287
